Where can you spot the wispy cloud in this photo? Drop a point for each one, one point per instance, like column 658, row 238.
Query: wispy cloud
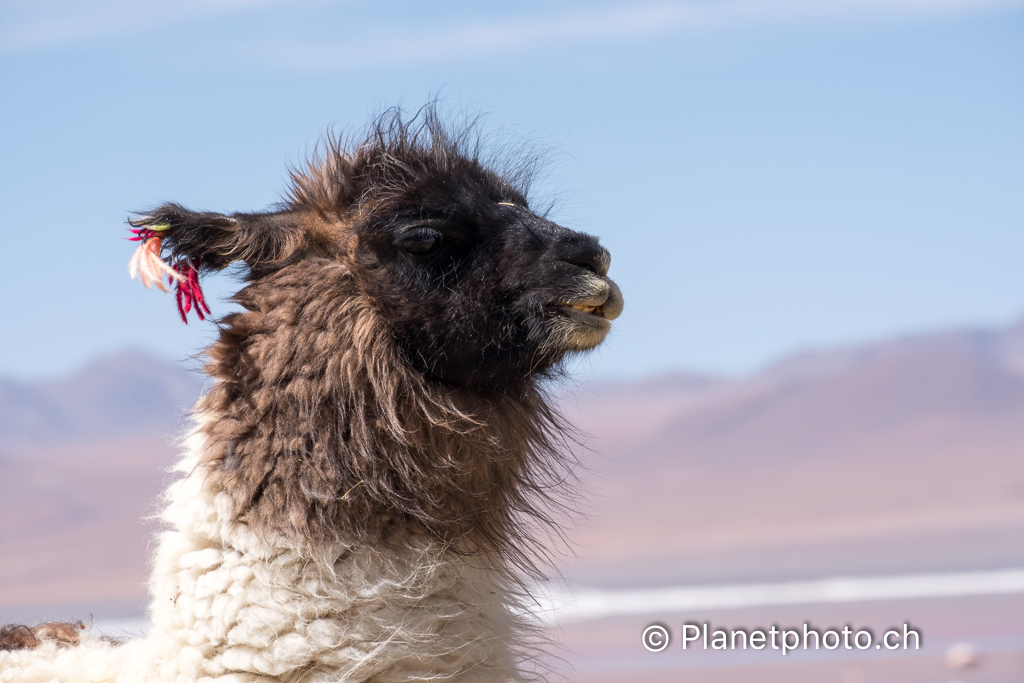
column 411, row 44
column 415, row 44
column 42, row 24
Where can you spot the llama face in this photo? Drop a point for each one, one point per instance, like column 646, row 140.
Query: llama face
column 474, row 287
column 479, row 290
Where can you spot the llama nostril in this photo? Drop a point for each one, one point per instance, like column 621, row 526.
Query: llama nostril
column 587, row 266
column 596, row 261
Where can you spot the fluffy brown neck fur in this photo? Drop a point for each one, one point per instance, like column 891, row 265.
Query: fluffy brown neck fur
column 324, row 433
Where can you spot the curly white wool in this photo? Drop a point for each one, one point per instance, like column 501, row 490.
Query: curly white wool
column 230, row 607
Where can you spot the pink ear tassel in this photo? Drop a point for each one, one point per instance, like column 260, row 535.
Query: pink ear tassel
column 150, row 268
column 188, row 293
column 146, row 263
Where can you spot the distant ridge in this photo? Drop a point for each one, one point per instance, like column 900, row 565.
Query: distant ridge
column 904, row 455
column 123, row 394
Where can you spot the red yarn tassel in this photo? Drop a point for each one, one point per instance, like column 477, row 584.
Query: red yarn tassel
column 188, row 293
column 143, row 234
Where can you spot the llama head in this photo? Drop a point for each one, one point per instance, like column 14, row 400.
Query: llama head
column 381, row 378
column 476, row 289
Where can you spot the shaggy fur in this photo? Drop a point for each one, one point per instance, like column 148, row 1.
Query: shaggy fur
column 21, row 637
column 367, row 475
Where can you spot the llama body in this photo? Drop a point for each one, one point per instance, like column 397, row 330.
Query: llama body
column 363, row 487
column 228, row 606
column 236, row 604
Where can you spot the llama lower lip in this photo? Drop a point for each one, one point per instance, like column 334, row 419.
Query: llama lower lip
column 576, row 330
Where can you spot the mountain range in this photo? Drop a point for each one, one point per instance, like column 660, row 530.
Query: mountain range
column 125, row 394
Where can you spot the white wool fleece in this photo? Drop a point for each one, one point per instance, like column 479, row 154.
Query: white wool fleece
column 229, row 607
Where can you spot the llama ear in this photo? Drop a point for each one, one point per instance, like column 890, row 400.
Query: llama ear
column 216, row 239
column 179, row 244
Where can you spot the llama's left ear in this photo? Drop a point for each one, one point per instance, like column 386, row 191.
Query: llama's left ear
column 179, row 244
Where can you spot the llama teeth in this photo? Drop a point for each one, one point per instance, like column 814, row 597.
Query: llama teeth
column 592, row 310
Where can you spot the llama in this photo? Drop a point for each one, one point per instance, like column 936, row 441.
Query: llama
column 361, row 494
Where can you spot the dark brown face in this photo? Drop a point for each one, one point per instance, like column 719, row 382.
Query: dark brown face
column 475, row 288
column 479, row 290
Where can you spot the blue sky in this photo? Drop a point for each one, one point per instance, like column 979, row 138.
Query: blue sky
column 769, row 176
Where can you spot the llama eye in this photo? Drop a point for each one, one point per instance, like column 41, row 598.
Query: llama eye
column 420, row 245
